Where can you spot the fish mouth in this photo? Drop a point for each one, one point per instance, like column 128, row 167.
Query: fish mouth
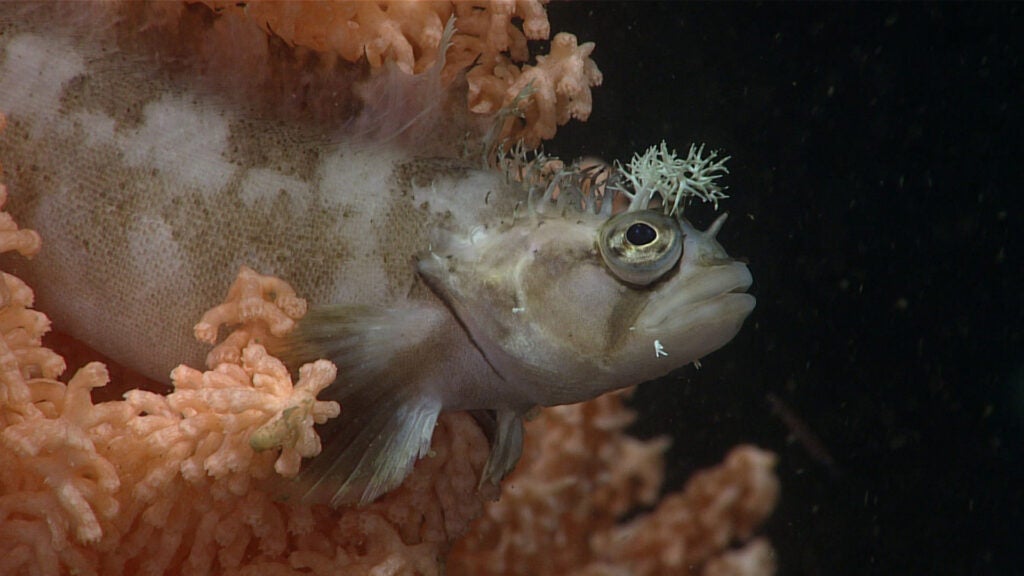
column 699, row 294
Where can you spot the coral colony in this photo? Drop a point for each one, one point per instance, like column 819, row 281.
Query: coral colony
column 172, row 483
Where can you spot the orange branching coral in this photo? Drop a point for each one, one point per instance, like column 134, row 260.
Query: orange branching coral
column 118, row 486
column 405, row 33
column 21, row 353
column 266, row 305
column 580, row 473
column 542, row 97
column 488, row 42
column 173, row 483
column 692, row 528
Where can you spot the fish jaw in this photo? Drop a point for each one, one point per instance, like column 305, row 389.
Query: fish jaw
column 719, row 289
column 689, row 324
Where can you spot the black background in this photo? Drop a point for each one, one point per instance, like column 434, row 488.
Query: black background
column 876, row 190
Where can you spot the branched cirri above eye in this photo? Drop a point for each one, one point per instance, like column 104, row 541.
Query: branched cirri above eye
column 640, row 247
column 659, row 176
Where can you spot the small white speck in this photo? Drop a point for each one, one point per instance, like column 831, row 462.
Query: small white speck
column 659, row 350
column 696, row 364
column 518, row 310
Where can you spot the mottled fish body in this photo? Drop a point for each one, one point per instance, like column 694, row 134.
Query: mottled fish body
column 435, row 286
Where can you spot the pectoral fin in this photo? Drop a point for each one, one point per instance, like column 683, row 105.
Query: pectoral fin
column 387, row 416
column 365, row 342
column 371, row 452
column 388, row 406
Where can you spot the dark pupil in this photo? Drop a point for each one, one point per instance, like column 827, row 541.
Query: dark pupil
column 641, row 234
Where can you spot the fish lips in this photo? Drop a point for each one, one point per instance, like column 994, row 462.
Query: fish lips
column 700, row 296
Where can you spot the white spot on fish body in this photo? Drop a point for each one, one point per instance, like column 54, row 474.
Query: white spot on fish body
column 196, row 137
column 33, row 73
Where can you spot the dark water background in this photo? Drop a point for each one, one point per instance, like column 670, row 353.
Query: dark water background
column 877, row 182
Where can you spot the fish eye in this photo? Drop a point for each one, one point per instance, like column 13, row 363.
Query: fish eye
column 640, row 247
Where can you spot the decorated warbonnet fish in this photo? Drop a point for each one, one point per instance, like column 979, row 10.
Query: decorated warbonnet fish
column 555, row 303
column 435, row 285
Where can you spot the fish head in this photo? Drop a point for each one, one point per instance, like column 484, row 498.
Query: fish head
column 566, row 307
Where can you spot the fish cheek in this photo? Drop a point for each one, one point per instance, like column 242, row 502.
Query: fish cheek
column 574, row 304
column 586, row 310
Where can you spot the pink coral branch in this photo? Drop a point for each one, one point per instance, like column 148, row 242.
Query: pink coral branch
column 25, row 242
column 556, row 89
column 580, row 473
column 267, row 305
column 489, row 44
